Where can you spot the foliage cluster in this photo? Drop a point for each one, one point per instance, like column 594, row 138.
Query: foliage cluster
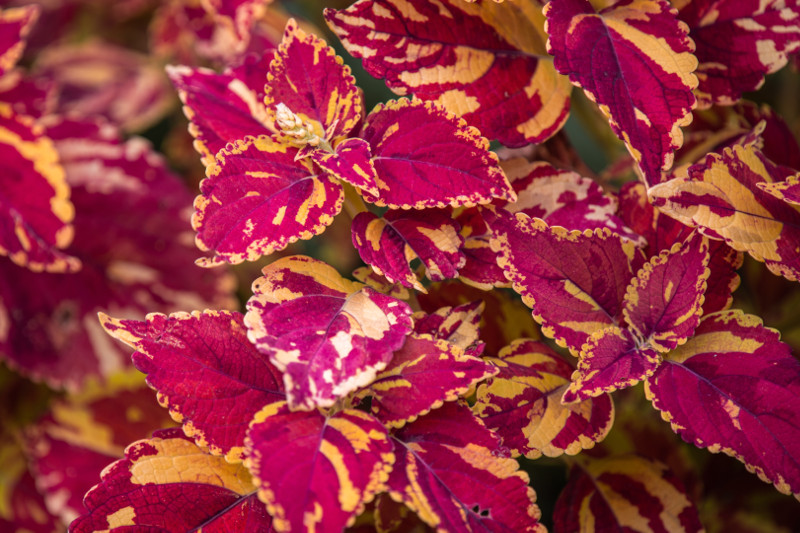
column 496, row 291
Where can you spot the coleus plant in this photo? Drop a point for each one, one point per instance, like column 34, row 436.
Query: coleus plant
column 393, row 403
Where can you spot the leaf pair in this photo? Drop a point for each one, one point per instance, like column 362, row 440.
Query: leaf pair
column 277, row 176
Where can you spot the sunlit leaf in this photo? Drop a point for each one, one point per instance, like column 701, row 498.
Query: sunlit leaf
column 722, row 197
column 427, row 157
column 258, row 199
column 458, row 55
column 329, row 336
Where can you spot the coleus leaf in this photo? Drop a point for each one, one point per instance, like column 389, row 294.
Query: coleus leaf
column 82, row 433
column 309, row 78
column 23, row 507
column 329, row 336
column 421, row 376
column 99, row 79
column 395, row 517
column 663, row 302
column 317, row 472
column 369, row 277
column 575, row 281
column 787, row 190
column 563, row 198
column 457, row 55
column 480, row 268
column 457, row 325
column 212, row 379
column 425, row 156
column 522, row 404
column 621, row 56
column 132, row 238
column 734, row 387
column 258, row 199
column 168, row 483
column 611, row 359
column 389, row 243
column 36, row 213
column 661, row 232
column 15, row 25
column 222, row 108
column 449, row 470
column 721, row 197
column 738, row 43
column 625, row 493
column 351, row 162
column 503, row 320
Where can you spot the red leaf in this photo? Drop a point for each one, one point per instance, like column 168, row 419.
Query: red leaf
column 329, row 336
column 315, row 472
column 457, row 55
column 426, row 157
column 258, row 199
column 626, row 493
column 449, row 470
column 734, row 387
column 391, row 242
column 167, row 483
column 575, row 282
column 212, row 379
column 523, row 405
column 622, row 56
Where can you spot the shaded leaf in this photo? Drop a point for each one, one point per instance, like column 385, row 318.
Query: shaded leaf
column 36, row 213
column 522, row 404
column 81, row 434
column 131, row 235
column 450, row 470
column 734, row 387
column 258, row 199
column 457, row 55
column 662, row 232
column 621, row 57
column 663, row 302
column 329, row 336
column 100, row 79
column 389, row 243
column 738, row 43
column 314, row 472
column 421, row 376
column 15, row 25
column 575, row 281
column 457, row 325
column 626, row 493
column 206, row 372
column 563, row 198
column 480, row 269
column 168, row 483
column 427, row 157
